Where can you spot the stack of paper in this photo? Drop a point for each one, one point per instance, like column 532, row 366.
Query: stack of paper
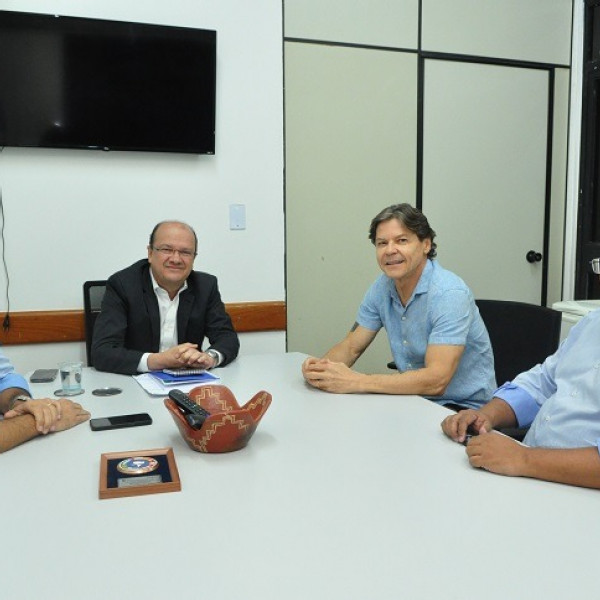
column 170, row 380
column 157, row 383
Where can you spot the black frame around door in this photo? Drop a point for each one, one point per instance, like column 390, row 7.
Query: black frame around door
column 588, row 220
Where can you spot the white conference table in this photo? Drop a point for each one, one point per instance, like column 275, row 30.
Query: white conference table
column 336, row 496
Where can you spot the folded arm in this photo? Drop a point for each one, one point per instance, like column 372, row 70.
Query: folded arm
column 494, row 415
column 16, row 431
column 441, row 363
column 500, row 454
column 28, row 419
column 182, row 356
column 503, row 455
column 350, row 349
column 332, row 373
column 215, row 325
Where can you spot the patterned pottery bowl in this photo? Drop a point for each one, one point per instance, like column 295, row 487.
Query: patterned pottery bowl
column 229, row 426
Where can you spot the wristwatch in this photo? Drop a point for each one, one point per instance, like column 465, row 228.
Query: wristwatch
column 215, row 355
column 18, row 398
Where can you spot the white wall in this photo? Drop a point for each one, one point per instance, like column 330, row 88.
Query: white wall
column 74, row 215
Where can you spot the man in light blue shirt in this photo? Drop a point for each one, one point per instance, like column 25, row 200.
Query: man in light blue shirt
column 25, row 418
column 437, row 337
column 560, row 399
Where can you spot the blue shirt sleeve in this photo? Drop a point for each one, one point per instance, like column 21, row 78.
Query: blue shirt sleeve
column 451, row 318
column 522, row 403
column 369, row 316
column 8, row 377
column 529, row 390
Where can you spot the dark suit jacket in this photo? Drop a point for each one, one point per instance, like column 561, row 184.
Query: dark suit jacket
column 129, row 322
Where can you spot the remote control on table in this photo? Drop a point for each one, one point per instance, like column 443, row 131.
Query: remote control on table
column 195, row 415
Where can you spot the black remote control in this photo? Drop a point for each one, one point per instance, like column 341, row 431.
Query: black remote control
column 195, row 415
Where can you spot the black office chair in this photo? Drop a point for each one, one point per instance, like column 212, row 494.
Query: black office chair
column 522, row 335
column 93, row 292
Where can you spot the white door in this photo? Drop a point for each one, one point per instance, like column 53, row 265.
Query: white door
column 351, row 125
column 484, row 173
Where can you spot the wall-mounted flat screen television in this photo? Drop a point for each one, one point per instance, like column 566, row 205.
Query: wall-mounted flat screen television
column 68, row 82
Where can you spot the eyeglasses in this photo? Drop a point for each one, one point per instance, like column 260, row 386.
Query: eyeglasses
column 168, row 252
column 595, row 264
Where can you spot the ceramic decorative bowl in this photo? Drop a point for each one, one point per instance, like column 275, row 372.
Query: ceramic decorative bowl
column 229, row 426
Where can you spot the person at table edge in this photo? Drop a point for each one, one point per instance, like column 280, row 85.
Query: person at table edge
column 156, row 313
column 560, row 399
column 438, row 340
column 26, row 418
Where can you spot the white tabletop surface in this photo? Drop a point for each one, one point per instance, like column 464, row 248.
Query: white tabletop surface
column 336, row 496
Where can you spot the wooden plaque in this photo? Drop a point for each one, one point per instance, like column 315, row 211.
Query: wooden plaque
column 139, row 483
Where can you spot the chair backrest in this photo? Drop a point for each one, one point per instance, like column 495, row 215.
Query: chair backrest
column 93, row 292
column 522, row 335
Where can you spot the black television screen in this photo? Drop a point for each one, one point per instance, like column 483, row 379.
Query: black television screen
column 68, row 82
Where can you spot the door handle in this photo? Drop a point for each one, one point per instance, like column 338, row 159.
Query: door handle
column 532, row 256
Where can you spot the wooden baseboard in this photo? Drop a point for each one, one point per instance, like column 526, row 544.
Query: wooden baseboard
column 51, row 326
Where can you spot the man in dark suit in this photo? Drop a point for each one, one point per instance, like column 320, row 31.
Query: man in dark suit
column 156, row 313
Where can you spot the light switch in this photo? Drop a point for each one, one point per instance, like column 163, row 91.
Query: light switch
column 237, row 216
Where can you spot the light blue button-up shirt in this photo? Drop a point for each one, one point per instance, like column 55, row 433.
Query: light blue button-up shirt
column 8, row 377
column 562, row 396
column 440, row 311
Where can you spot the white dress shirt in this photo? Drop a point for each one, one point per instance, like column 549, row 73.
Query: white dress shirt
column 167, row 309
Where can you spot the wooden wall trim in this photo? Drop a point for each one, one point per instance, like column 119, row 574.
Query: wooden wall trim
column 50, row 326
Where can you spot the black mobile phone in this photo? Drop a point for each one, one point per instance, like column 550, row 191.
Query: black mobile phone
column 119, row 421
column 43, row 375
